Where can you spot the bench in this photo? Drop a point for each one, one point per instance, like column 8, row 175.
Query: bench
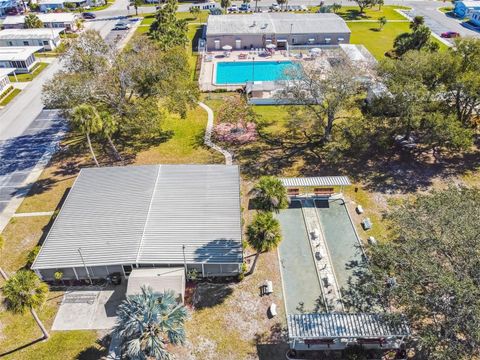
column 367, row 224
column 323, row 191
column 293, row 192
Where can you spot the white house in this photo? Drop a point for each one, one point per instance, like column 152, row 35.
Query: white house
column 4, row 80
column 64, row 20
column 22, row 59
column 49, row 39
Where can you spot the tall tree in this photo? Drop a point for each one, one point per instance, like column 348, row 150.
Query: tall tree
column 322, row 97
column 418, row 39
column 382, row 22
column 263, row 234
column 269, row 194
column 225, row 4
column 136, row 5
column 32, row 21
column 363, row 4
column 25, row 291
column 86, row 120
column 148, row 323
column 433, row 261
column 194, row 10
column 167, row 29
column 336, row 7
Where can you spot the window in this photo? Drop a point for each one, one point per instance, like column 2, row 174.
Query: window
column 45, row 42
column 26, row 43
column 127, row 269
column 10, row 43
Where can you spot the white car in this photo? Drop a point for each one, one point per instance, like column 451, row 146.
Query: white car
column 275, row 7
column 121, row 26
column 233, row 8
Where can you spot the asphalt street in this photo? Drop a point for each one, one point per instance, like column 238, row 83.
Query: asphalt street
column 29, row 134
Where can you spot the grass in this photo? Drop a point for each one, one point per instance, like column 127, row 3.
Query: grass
column 186, row 144
column 446, row 9
column 353, row 13
column 200, row 18
column 9, row 97
column 37, row 69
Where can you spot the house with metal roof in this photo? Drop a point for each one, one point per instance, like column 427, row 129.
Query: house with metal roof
column 281, row 29
column 20, row 58
column 62, row 20
column 49, row 39
column 117, row 219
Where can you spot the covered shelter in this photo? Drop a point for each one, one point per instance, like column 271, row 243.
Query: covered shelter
column 337, row 331
column 318, row 185
column 117, row 219
column 159, row 280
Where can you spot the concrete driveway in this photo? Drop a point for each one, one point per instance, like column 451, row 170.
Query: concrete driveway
column 89, row 308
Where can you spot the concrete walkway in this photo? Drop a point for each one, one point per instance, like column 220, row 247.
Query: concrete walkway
column 330, row 289
column 208, row 135
column 40, row 213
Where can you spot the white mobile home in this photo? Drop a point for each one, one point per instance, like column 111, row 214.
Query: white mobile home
column 118, row 219
column 48, row 39
column 4, row 80
column 22, row 59
column 64, row 20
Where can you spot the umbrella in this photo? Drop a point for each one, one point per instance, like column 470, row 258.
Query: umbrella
column 271, row 46
column 227, row 47
column 315, row 50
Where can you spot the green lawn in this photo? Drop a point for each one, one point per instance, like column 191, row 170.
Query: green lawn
column 200, row 18
column 446, row 9
column 6, row 99
column 377, row 42
column 353, row 13
column 32, row 75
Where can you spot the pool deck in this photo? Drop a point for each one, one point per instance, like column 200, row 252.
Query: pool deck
column 206, row 79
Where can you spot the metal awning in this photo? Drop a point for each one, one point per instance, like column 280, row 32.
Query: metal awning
column 159, row 279
column 316, row 181
column 341, row 325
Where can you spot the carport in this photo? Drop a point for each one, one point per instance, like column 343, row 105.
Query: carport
column 159, row 279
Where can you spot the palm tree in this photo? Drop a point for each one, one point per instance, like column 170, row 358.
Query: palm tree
column 85, row 119
column 25, row 291
column 417, row 22
column 335, row 7
column 263, row 234
column 269, row 194
column 382, row 22
column 225, row 4
column 32, row 21
column 109, row 127
column 148, row 322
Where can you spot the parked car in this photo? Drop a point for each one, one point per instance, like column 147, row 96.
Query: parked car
column 121, row 26
column 275, row 7
column 244, row 7
column 450, row 34
column 233, row 8
column 89, row 15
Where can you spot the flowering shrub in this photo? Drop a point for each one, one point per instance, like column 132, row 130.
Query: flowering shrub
column 236, row 133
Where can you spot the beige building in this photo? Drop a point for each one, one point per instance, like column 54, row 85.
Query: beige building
column 285, row 30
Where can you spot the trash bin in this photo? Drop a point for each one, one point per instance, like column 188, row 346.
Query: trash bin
column 115, row 278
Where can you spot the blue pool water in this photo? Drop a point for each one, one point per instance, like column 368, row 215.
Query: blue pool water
column 241, row 72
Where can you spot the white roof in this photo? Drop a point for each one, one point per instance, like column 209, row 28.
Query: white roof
column 316, row 181
column 276, row 23
column 45, row 18
column 17, row 53
column 30, row 34
column 159, row 279
column 145, row 215
column 6, row 71
column 47, row 2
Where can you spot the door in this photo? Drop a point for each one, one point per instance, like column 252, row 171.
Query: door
column 127, row 269
column 217, row 44
column 238, row 44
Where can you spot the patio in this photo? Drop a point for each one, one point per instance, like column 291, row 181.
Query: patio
column 89, row 308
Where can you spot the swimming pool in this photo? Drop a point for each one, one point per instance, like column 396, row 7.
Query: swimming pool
column 241, row 72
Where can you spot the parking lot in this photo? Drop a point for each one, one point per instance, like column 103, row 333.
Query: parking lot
column 22, row 158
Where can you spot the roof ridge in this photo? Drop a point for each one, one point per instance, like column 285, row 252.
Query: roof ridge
column 140, row 246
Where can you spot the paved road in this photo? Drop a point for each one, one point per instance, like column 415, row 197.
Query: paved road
column 29, row 134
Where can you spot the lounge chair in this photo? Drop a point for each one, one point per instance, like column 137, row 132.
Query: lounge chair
column 268, row 287
column 273, row 309
column 359, row 209
column 367, row 224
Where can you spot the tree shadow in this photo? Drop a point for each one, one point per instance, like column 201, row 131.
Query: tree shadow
column 273, row 343
column 95, row 352
column 21, row 347
column 353, row 14
column 209, row 294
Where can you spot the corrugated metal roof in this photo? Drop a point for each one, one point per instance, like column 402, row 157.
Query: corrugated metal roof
column 276, row 23
column 30, row 34
column 45, row 18
column 316, row 181
column 332, row 325
column 144, row 214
